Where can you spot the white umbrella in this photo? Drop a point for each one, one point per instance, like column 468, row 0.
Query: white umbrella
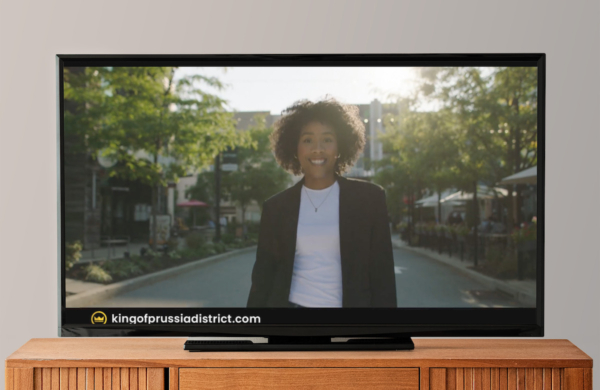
column 528, row 176
column 483, row 192
column 432, row 201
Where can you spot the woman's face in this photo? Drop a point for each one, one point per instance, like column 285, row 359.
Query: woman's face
column 317, row 151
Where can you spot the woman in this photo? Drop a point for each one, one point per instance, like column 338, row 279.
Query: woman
column 324, row 242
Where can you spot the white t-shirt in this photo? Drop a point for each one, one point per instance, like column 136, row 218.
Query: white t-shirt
column 317, row 277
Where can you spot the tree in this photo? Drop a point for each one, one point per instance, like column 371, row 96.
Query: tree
column 392, row 177
column 516, row 96
column 422, row 152
column 258, row 176
column 156, row 127
column 398, row 171
column 497, row 120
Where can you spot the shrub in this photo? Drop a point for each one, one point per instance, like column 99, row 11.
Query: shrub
column 211, row 248
column 153, row 254
column 227, row 238
column 95, row 273
column 502, row 266
column 195, row 240
column 251, row 241
column 253, row 228
column 499, row 263
column 527, row 232
column 236, row 244
column 172, row 244
column 220, row 247
column 232, row 226
column 462, row 230
column 190, row 253
column 72, row 254
column 174, row 255
column 123, row 269
column 440, row 229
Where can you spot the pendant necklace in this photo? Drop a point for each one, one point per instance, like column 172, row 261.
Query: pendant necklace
column 311, row 202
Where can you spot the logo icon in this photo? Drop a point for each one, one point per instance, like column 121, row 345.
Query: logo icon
column 99, row 318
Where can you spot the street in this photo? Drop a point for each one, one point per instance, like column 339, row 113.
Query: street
column 420, row 282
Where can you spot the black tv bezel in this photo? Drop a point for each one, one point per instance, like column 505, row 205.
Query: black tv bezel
column 475, row 322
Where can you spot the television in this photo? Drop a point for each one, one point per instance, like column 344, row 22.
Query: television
column 314, row 201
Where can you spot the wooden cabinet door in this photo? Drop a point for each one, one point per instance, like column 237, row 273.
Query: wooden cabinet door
column 299, row 378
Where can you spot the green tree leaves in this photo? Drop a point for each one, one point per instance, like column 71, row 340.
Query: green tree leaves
column 154, row 125
column 485, row 129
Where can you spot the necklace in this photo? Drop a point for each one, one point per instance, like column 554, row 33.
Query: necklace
column 311, row 202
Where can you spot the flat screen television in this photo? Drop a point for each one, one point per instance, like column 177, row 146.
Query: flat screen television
column 301, row 198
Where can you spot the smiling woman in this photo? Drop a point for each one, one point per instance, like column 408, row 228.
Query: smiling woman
column 325, row 242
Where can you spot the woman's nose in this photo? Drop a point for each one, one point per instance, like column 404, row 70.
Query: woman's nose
column 317, row 146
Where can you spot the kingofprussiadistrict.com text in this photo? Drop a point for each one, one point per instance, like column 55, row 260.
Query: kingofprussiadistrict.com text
column 184, row 319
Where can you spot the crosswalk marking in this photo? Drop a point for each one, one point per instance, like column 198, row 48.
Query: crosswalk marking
column 398, row 270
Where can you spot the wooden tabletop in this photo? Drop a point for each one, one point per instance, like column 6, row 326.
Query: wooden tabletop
column 168, row 352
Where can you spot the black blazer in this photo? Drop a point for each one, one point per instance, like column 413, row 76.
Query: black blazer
column 368, row 278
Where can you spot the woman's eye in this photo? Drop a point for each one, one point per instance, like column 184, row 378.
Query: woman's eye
column 307, row 140
column 329, row 140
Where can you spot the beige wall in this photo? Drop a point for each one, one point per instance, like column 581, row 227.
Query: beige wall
column 32, row 32
column 182, row 185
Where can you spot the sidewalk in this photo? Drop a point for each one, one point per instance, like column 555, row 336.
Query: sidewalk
column 78, row 286
column 522, row 290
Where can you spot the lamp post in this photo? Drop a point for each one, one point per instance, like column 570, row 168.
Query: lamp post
column 218, row 198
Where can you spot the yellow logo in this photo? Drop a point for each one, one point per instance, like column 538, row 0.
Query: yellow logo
column 99, row 318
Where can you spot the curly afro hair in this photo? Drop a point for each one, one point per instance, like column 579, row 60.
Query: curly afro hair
column 344, row 119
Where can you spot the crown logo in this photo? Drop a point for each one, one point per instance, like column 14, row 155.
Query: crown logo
column 99, row 318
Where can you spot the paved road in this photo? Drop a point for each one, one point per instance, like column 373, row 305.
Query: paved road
column 420, row 282
column 424, row 282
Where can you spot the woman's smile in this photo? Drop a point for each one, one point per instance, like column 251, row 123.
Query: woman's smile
column 320, row 161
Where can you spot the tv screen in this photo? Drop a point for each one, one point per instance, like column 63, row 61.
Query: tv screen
column 315, row 195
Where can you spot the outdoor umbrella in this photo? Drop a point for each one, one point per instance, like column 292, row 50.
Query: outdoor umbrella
column 192, row 203
column 483, row 192
column 528, row 176
column 432, row 201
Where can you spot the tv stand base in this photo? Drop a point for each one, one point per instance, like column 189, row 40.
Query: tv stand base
column 300, row 344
